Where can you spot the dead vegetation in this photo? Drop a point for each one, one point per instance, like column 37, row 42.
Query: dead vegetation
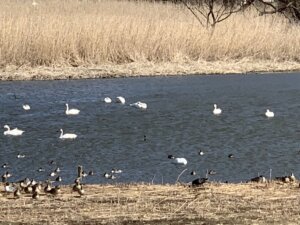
column 212, row 203
column 56, row 39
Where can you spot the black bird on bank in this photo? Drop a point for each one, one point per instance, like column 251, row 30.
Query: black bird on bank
column 199, row 181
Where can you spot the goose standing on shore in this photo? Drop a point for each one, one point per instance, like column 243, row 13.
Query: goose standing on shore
column 269, row 114
column 217, row 111
column 71, row 111
column 66, row 136
column 13, row 132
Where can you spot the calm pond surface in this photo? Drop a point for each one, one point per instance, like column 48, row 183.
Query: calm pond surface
column 178, row 121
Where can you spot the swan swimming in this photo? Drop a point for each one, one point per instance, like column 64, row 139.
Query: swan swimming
column 178, row 161
column 107, row 100
column 269, row 113
column 26, row 107
column 71, row 111
column 66, row 136
column 139, row 105
column 14, row 132
column 217, row 111
column 120, row 99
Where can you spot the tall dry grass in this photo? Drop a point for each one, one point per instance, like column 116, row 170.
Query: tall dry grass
column 93, row 32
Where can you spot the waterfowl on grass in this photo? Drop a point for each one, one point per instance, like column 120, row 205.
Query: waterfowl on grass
column 35, row 195
column 259, row 179
column 199, row 181
column 8, row 187
column 17, row 193
column 55, row 191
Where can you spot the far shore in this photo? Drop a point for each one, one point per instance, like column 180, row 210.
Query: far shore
column 11, row 72
column 211, row 203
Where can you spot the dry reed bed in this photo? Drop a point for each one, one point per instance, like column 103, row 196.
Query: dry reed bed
column 245, row 203
column 111, row 38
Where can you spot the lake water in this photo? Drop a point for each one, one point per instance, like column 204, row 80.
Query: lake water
column 178, row 121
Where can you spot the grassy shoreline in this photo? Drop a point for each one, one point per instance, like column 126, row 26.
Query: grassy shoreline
column 213, row 203
column 10, row 73
column 73, row 39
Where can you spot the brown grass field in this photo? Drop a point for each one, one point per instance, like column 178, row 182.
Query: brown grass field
column 212, row 203
column 62, row 39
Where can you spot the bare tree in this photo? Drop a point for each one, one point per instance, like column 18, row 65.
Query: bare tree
column 289, row 8
column 210, row 12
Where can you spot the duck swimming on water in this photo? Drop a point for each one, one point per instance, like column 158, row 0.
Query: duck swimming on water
column 178, row 161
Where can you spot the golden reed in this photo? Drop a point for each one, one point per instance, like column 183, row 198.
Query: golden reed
column 93, row 32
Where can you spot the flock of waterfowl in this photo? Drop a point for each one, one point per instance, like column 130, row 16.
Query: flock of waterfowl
column 216, row 111
column 72, row 112
column 35, row 188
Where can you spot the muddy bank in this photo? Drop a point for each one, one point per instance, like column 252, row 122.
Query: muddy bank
column 213, row 203
column 144, row 69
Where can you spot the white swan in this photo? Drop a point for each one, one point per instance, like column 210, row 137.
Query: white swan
column 120, row 99
column 217, row 111
column 178, row 161
column 66, row 136
column 107, row 100
column 14, row 132
column 71, row 111
column 139, row 105
column 269, row 114
column 26, row 107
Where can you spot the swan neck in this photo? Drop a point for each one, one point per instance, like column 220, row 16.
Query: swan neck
column 61, row 133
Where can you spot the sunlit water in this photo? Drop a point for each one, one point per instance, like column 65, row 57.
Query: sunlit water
column 178, row 121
